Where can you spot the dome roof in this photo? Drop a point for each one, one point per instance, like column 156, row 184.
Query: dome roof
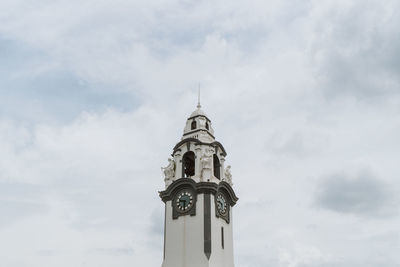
column 198, row 112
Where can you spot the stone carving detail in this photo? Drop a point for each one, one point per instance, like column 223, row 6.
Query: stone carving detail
column 206, row 162
column 228, row 175
column 202, row 123
column 169, row 171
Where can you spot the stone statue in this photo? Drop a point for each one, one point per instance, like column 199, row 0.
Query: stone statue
column 228, row 175
column 202, row 122
column 206, row 161
column 169, row 171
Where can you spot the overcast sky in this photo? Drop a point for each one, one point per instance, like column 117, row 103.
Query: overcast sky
column 304, row 95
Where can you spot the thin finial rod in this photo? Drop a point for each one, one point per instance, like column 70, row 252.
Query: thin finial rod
column 198, row 102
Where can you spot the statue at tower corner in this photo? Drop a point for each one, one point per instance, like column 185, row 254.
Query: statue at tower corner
column 206, row 161
column 228, row 175
column 169, row 172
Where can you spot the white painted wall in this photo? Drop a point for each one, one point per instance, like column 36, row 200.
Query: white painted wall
column 221, row 257
column 184, row 243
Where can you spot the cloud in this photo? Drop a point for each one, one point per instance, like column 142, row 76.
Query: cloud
column 94, row 95
column 363, row 195
column 47, row 90
column 355, row 49
column 53, row 190
column 112, row 251
column 19, row 201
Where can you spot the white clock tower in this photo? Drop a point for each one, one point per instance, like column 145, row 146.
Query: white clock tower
column 198, row 199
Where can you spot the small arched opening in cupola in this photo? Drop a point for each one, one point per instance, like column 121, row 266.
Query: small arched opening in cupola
column 193, row 125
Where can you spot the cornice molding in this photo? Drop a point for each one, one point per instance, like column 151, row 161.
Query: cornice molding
column 199, row 188
column 197, row 141
column 199, row 130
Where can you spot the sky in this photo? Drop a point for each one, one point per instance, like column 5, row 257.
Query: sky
column 303, row 94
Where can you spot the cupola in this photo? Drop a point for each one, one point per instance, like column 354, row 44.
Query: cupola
column 198, row 126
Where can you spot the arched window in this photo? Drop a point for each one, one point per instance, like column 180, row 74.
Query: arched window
column 188, row 164
column 194, row 125
column 217, row 167
column 207, row 127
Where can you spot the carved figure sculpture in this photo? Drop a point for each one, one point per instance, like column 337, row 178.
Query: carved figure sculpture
column 206, row 161
column 228, row 175
column 202, row 123
column 169, row 171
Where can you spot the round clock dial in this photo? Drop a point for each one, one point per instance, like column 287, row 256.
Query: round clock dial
column 221, row 204
column 184, row 201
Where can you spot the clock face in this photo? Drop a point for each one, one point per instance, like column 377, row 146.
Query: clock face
column 184, row 201
column 221, row 204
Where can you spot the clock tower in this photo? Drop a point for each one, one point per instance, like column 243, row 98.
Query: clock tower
column 198, row 199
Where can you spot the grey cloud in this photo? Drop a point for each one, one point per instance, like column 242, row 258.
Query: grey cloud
column 101, row 171
column 18, row 201
column 13, row 211
column 287, row 145
column 356, row 50
column 350, row 264
column 391, row 237
column 113, row 251
column 47, row 252
column 363, row 195
column 157, row 220
column 51, row 91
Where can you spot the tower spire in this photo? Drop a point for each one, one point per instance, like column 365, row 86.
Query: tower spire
column 198, row 102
